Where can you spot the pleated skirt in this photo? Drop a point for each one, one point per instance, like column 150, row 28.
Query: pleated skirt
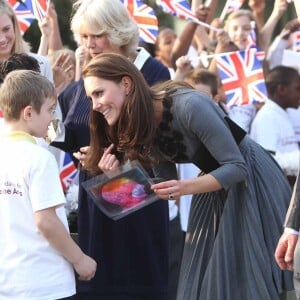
column 232, row 236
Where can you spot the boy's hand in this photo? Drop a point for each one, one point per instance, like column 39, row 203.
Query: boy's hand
column 85, row 268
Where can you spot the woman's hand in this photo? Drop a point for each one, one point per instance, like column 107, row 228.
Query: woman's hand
column 108, row 161
column 168, row 190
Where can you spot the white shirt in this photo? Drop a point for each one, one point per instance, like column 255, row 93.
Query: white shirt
column 30, row 269
column 294, row 116
column 273, row 130
column 275, row 52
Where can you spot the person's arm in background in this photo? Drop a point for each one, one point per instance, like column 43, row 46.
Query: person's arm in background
column 281, row 42
column 265, row 35
column 185, row 39
column 183, row 67
column 45, row 29
column 50, row 34
column 55, row 40
column 258, row 9
column 204, row 37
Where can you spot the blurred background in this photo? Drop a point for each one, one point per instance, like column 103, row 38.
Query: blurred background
column 64, row 12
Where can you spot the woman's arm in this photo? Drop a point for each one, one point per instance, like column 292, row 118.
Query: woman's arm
column 204, row 124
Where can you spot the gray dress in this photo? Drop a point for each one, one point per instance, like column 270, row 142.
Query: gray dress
column 232, row 233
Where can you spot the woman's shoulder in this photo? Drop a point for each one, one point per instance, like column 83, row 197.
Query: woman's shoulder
column 152, row 70
column 190, row 97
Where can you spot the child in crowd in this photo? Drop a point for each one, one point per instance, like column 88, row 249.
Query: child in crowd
column 37, row 252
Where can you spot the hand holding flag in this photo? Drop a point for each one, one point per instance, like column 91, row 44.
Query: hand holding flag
column 181, row 9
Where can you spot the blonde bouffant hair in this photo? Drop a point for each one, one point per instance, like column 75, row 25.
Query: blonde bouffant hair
column 106, row 17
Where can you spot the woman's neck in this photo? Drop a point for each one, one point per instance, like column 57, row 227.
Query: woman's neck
column 132, row 56
column 4, row 57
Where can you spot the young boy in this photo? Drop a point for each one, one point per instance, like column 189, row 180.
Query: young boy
column 37, row 252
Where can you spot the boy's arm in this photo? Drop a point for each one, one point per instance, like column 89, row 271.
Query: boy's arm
column 50, row 226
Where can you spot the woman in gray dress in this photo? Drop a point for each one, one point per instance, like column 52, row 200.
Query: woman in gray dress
column 240, row 199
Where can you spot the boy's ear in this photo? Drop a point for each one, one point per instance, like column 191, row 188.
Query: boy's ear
column 27, row 112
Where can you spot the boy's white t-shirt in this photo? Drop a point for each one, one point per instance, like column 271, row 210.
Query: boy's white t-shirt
column 29, row 267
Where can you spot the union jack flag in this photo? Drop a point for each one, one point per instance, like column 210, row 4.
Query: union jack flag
column 178, row 8
column 242, row 77
column 67, row 170
column 28, row 10
column 23, row 13
column 39, row 8
column 296, row 41
column 145, row 18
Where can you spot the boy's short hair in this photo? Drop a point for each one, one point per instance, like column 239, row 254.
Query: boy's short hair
column 18, row 61
column 279, row 75
column 21, row 88
column 203, row 76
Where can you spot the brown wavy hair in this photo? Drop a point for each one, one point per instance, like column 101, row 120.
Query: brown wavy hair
column 134, row 132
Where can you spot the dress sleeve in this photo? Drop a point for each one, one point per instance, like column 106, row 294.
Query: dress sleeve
column 206, row 122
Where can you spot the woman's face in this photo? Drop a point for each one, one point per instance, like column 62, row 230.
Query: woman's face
column 107, row 96
column 238, row 30
column 97, row 44
column 7, row 36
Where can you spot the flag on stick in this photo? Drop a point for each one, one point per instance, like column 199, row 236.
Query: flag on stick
column 181, row 9
column 296, row 40
column 67, row 170
column 145, row 18
column 28, row 10
column 23, row 13
column 242, row 77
